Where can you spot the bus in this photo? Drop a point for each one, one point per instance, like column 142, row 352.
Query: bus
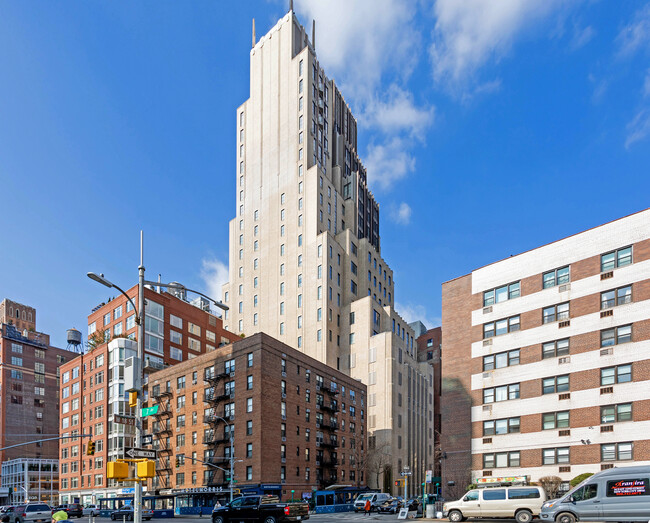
column 336, row 498
column 162, row 506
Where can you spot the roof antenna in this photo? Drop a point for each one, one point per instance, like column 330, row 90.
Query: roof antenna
column 313, row 34
column 290, row 5
column 253, row 32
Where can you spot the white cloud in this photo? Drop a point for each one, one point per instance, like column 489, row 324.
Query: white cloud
column 214, row 274
column 388, row 162
column 412, row 312
column 636, row 35
column 396, row 112
column 646, row 84
column 582, row 36
column 639, row 128
column 470, row 33
column 360, row 40
column 370, row 48
column 401, row 214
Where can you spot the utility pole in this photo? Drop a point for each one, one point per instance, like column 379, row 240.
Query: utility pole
column 137, row 501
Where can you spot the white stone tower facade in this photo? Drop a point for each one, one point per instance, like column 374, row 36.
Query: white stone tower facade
column 305, row 262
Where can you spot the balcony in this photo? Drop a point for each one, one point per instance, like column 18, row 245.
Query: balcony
column 333, row 426
column 162, row 394
column 214, row 377
column 215, row 439
column 153, row 366
column 331, row 391
column 329, row 444
column 164, row 412
column 217, row 478
column 216, row 398
column 329, row 408
column 221, row 461
column 164, row 465
column 163, row 431
column 214, row 419
column 163, row 449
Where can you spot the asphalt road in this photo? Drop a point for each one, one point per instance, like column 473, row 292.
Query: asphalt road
column 341, row 517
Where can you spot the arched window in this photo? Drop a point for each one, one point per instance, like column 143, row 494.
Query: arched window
column 30, row 316
column 24, row 316
column 17, row 314
column 11, row 311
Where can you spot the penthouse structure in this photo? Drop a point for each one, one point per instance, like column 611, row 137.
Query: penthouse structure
column 546, row 359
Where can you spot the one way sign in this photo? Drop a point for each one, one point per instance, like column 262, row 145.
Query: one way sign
column 135, row 453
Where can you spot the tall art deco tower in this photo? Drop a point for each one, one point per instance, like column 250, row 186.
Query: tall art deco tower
column 305, row 259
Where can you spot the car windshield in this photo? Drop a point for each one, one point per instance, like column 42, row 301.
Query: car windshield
column 364, row 497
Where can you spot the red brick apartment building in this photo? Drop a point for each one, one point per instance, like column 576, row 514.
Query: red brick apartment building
column 29, row 387
column 92, row 385
column 546, row 359
column 297, row 422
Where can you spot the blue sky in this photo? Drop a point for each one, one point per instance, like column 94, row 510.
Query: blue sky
column 488, row 128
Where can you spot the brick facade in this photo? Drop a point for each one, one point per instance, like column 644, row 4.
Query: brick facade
column 594, row 437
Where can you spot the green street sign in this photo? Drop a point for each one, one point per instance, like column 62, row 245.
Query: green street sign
column 150, row 411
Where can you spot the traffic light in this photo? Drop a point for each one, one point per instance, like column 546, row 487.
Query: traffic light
column 178, row 462
column 90, row 448
column 146, row 469
column 117, row 470
column 133, row 398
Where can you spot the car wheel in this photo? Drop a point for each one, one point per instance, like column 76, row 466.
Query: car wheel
column 565, row 517
column 217, row 519
column 456, row 515
column 113, row 517
column 269, row 519
column 523, row 516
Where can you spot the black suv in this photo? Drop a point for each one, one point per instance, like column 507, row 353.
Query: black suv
column 72, row 509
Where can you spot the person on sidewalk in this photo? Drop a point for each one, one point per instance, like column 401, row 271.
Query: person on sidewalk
column 367, row 507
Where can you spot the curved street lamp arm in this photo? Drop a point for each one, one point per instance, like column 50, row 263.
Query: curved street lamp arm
column 175, row 285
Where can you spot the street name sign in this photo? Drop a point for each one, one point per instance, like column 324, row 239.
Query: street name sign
column 123, row 420
column 147, row 439
column 150, row 411
column 134, row 453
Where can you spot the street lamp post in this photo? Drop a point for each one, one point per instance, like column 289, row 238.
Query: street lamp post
column 140, row 321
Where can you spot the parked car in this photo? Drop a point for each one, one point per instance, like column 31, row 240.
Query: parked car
column 74, row 510
column 616, row 494
column 522, row 503
column 267, row 509
column 390, row 506
column 7, row 514
column 414, row 504
column 91, row 510
column 32, row 513
column 126, row 512
column 376, row 499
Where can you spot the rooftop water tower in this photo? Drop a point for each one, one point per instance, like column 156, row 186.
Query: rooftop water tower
column 74, row 341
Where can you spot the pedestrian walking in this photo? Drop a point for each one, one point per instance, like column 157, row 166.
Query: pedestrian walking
column 367, row 507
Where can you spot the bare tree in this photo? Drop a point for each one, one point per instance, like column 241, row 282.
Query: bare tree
column 377, row 459
column 551, row 484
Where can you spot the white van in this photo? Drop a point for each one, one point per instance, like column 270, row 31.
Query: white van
column 522, row 503
column 376, row 499
column 616, row 494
